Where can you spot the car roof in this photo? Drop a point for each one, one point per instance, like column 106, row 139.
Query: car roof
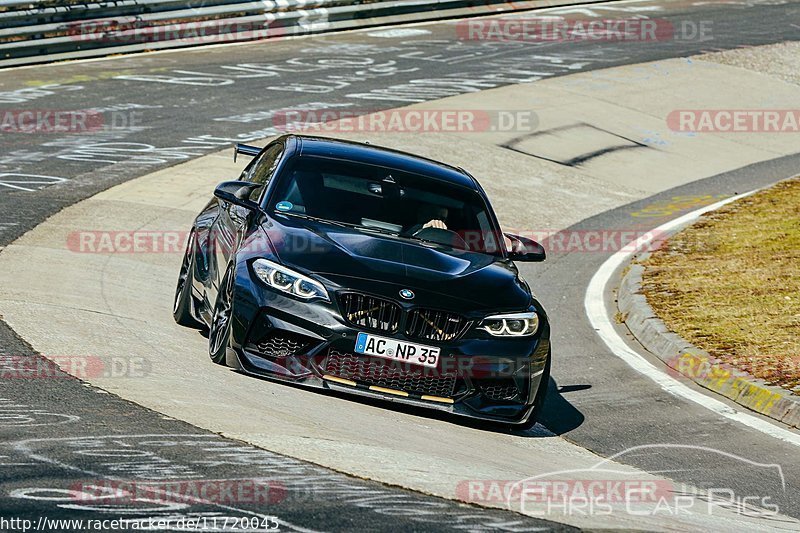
column 377, row 155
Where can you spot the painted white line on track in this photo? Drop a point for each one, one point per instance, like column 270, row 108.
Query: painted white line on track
column 600, row 320
column 23, row 446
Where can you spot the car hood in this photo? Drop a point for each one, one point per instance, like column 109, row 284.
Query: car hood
column 385, row 264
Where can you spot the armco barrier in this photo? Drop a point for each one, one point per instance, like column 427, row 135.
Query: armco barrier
column 48, row 30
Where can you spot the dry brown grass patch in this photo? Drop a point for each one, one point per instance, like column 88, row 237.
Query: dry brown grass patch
column 730, row 284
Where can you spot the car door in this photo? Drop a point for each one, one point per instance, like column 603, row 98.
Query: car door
column 233, row 221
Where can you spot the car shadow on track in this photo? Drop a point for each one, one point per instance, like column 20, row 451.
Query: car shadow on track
column 558, row 415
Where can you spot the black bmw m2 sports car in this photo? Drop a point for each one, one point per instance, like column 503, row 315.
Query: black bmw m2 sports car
column 345, row 266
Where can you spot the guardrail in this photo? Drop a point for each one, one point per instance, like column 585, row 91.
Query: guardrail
column 49, row 30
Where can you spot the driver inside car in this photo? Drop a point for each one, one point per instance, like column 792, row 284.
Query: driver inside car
column 430, row 216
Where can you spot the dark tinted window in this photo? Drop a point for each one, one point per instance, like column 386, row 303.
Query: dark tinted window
column 386, row 200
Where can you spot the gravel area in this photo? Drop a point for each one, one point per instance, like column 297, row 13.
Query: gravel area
column 779, row 60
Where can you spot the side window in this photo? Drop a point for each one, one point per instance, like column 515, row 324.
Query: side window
column 262, row 169
column 486, row 240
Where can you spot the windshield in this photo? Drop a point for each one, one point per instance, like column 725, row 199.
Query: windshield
column 385, row 200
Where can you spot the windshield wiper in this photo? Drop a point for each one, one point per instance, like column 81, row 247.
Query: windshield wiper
column 414, row 238
column 315, row 219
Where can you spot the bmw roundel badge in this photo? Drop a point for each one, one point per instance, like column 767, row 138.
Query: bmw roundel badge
column 407, row 294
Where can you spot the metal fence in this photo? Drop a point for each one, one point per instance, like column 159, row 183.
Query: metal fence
column 34, row 31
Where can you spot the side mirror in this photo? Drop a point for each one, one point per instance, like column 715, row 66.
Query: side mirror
column 527, row 250
column 238, row 193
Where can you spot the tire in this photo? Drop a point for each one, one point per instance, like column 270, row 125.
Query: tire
column 183, row 303
column 539, row 400
column 219, row 333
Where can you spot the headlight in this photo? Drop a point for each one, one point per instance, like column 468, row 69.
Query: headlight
column 287, row 280
column 511, row 325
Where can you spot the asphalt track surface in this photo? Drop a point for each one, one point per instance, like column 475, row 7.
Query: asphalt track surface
column 180, row 105
column 65, row 443
column 602, row 404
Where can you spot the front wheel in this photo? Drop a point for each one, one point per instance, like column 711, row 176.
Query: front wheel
column 183, row 303
column 220, row 331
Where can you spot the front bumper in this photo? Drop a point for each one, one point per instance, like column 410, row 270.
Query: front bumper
column 309, row 344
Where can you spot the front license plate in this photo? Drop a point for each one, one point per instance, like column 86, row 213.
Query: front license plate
column 394, row 349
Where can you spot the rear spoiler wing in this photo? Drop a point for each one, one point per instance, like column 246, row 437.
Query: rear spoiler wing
column 245, row 149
